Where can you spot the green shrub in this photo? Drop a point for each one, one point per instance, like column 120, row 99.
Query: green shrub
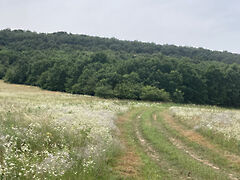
column 151, row 93
column 127, row 91
column 104, row 91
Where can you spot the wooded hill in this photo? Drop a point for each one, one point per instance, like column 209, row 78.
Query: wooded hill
column 124, row 69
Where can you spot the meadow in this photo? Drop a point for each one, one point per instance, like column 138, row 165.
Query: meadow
column 50, row 135
column 221, row 120
column 55, row 135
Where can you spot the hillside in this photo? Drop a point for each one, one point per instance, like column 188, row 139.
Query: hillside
column 26, row 40
column 112, row 68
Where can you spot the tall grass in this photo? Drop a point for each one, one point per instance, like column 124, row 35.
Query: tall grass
column 50, row 135
column 221, row 126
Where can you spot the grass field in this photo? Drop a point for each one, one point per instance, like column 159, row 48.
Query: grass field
column 52, row 135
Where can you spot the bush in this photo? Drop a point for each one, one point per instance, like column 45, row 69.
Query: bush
column 127, row 91
column 151, row 93
column 104, row 91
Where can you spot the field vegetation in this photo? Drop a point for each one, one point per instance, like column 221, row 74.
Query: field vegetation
column 217, row 124
column 170, row 149
column 54, row 135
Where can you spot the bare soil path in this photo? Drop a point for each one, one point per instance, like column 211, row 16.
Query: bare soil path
column 130, row 164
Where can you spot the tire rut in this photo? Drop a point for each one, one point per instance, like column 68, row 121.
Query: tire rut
column 197, row 138
column 152, row 153
column 129, row 163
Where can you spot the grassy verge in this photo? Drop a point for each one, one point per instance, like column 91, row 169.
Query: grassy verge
column 218, row 125
column 176, row 158
column 213, row 156
column 218, row 138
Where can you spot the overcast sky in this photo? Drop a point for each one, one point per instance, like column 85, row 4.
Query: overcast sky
column 212, row 24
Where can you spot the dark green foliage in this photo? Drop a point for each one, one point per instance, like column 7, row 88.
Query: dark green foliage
column 112, row 68
column 25, row 40
column 17, row 73
column 232, row 85
column 178, row 96
column 99, row 57
column 53, row 79
column 2, row 71
column 104, row 91
column 215, row 85
column 36, row 69
column 154, row 94
column 128, row 90
column 87, row 82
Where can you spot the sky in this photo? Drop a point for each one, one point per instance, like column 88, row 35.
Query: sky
column 211, row 24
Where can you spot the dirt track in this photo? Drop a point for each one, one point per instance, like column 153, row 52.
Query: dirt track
column 131, row 163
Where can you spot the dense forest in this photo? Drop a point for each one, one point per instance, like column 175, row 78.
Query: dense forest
column 111, row 68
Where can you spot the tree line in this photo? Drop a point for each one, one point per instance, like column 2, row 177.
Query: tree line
column 111, row 68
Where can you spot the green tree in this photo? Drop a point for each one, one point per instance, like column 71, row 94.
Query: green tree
column 17, row 73
column 53, row 79
column 178, row 96
column 215, row 85
column 2, row 71
column 232, row 83
column 86, row 83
